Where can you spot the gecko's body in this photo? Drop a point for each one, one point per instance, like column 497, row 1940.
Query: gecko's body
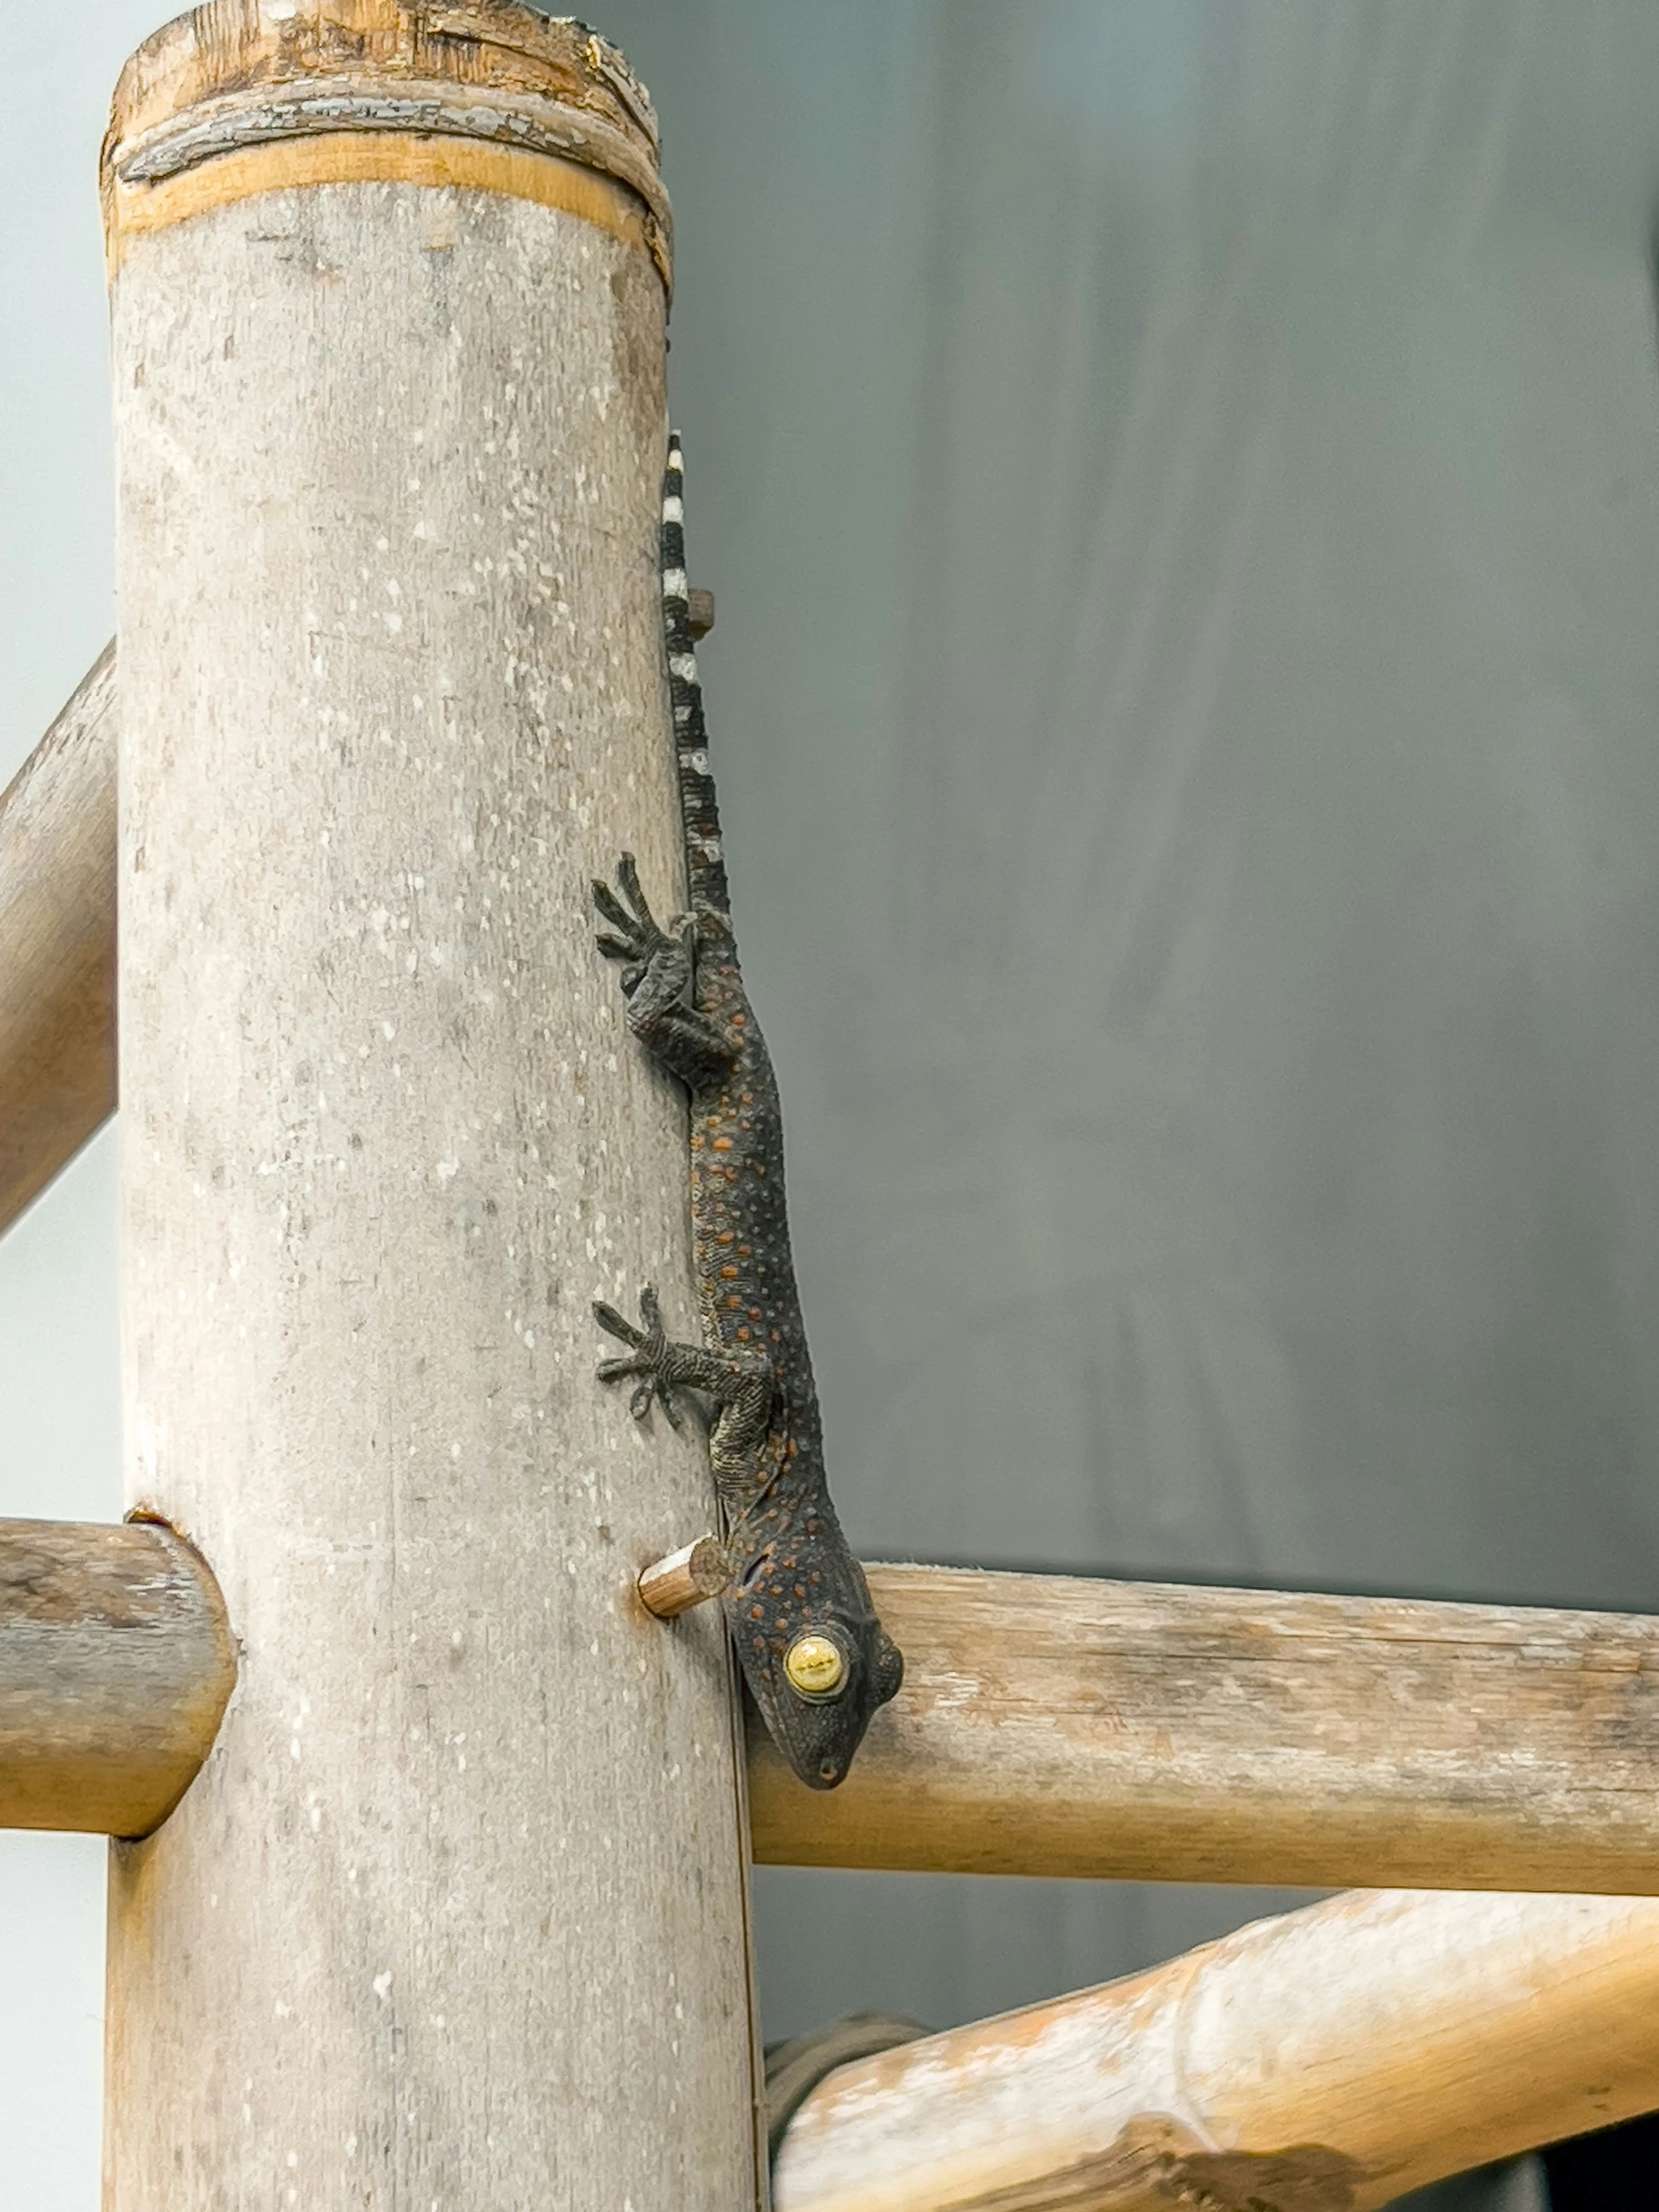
column 799, row 1608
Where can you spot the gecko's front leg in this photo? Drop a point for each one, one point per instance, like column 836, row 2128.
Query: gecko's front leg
column 740, row 1384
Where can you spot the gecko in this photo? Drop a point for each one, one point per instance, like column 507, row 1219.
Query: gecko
column 817, row 1660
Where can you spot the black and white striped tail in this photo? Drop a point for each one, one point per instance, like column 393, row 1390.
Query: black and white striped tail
column 705, row 861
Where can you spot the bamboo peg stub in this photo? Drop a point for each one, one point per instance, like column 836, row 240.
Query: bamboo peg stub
column 690, row 1576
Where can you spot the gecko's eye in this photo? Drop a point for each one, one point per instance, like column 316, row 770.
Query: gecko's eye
column 815, row 1667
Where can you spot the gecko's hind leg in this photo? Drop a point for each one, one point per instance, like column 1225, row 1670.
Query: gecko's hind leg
column 740, row 1385
column 659, row 973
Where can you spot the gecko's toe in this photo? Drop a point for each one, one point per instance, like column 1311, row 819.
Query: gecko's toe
column 615, row 1324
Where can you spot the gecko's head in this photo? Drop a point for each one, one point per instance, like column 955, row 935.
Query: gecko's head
column 818, row 1684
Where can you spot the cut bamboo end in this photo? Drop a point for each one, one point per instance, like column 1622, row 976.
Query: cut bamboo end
column 219, row 106
column 116, row 1665
column 686, row 1577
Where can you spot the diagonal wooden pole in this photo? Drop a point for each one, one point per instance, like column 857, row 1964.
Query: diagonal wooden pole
column 57, row 942
column 1328, row 2060
column 456, row 1912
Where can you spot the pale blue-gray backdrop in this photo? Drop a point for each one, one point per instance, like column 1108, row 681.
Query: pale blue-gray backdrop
column 1181, row 479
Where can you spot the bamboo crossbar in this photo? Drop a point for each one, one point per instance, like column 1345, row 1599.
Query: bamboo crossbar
column 1334, row 2058
column 1331, row 2061
column 1048, row 1725
column 1150, row 1732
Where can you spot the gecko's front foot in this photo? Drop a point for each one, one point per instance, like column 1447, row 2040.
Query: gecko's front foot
column 740, row 1383
column 649, row 1360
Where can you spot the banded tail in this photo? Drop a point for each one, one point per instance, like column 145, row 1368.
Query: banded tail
column 699, row 809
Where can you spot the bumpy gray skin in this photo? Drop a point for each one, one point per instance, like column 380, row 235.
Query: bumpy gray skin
column 791, row 1573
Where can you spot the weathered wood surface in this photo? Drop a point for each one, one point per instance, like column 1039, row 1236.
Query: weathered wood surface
column 57, row 943
column 456, row 1912
column 57, row 936
column 1149, row 1732
column 1327, row 2061
column 116, row 1662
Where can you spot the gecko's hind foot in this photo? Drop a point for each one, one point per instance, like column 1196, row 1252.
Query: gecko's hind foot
column 649, row 1358
column 633, row 935
column 659, row 976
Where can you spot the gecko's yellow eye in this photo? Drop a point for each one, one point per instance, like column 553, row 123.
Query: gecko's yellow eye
column 815, row 1667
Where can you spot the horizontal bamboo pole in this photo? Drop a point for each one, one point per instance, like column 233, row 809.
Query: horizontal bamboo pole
column 1148, row 1732
column 1333, row 2059
column 1329, row 2061
column 57, row 942
column 1046, row 1725
column 116, row 1665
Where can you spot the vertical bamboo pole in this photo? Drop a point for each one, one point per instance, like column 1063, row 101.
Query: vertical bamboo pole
column 455, row 1914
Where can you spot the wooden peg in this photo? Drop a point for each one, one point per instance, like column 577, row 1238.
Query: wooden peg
column 686, row 1577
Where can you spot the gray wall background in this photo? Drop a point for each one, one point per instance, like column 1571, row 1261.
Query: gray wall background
column 1181, row 479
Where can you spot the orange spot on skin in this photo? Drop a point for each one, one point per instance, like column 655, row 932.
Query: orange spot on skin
column 729, row 1275
column 743, row 1336
column 735, row 1303
column 723, row 1144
